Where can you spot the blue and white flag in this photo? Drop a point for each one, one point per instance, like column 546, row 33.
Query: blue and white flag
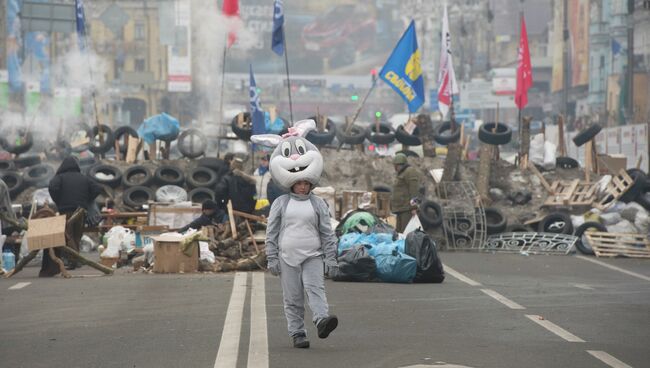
column 277, row 40
column 257, row 115
column 402, row 71
column 81, row 23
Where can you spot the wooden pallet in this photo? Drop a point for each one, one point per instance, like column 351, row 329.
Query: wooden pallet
column 615, row 189
column 572, row 193
column 619, row 244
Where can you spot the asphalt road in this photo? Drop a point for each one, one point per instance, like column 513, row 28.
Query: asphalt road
column 495, row 310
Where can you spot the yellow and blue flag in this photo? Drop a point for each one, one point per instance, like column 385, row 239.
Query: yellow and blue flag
column 402, row 71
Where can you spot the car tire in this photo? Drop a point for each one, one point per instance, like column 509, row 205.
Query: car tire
column 585, row 248
column 201, row 177
column 430, row 214
column 137, row 175
column 383, row 188
column 184, row 145
column 14, row 181
column 27, row 161
column 495, row 221
column 169, row 175
column 407, row 139
column 445, row 139
column 243, row 133
column 219, row 166
column 640, row 179
column 556, row 223
column 7, row 165
column 38, row 176
column 325, row 137
column 356, row 135
column 24, row 146
column 119, row 134
column 386, row 134
column 495, row 133
column 200, row 195
column 94, row 146
column 137, row 196
column 566, row 163
column 586, row 135
column 106, row 169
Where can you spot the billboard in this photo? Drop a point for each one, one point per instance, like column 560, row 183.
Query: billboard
column 179, row 55
column 335, row 37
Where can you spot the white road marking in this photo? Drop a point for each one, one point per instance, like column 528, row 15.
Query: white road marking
column 229, row 345
column 583, row 286
column 19, row 285
column 566, row 335
column 460, row 276
column 608, row 359
column 258, row 348
column 502, row 299
column 638, row 275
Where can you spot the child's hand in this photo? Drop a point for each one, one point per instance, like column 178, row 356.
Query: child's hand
column 274, row 266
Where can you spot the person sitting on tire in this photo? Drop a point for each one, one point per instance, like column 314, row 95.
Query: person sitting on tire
column 71, row 191
column 407, row 192
column 211, row 214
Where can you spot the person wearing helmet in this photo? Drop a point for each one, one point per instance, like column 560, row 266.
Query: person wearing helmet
column 407, row 191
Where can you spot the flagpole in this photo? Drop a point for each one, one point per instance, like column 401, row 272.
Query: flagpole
column 84, row 41
column 223, row 83
column 286, row 64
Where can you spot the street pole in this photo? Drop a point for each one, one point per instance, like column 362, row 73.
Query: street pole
column 565, row 60
column 630, row 62
column 286, row 65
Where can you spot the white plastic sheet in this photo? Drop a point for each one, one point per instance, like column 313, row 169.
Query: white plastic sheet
column 413, row 225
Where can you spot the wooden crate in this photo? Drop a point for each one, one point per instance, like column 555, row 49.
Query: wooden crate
column 572, row 193
column 619, row 244
column 615, row 189
column 352, row 198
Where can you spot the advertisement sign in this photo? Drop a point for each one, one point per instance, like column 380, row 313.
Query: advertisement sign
column 179, row 65
column 478, row 94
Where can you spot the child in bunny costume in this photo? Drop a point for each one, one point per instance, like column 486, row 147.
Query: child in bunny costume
column 299, row 237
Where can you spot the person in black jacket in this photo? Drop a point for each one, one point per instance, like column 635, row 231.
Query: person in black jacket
column 70, row 190
column 211, row 214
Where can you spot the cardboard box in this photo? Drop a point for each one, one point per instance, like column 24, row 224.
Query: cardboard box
column 46, row 233
column 614, row 162
column 170, row 258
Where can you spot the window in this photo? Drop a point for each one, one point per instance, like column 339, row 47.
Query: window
column 139, row 65
column 138, row 32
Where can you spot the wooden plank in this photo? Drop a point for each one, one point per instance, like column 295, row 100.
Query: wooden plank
column 249, row 216
column 532, row 168
column 619, row 244
column 231, row 217
column 132, row 149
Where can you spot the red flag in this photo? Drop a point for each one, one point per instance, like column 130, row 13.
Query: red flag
column 231, row 9
column 524, row 69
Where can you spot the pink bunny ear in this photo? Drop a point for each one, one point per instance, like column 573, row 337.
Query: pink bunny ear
column 302, row 127
column 268, row 140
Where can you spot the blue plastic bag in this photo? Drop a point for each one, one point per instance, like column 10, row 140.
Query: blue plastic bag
column 396, row 267
column 161, row 126
column 376, row 241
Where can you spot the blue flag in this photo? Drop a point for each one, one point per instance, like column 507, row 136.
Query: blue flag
column 277, row 40
column 257, row 115
column 402, row 71
column 81, row 23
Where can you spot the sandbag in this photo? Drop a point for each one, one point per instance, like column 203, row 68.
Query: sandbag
column 420, row 246
column 396, row 267
column 355, row 264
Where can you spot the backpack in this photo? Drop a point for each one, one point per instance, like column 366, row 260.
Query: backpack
column 420, row 246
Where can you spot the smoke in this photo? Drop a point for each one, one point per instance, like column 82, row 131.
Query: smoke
column 209, row 34
column 75, row 76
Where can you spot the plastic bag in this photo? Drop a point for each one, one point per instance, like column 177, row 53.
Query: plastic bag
column 171, row 193
column 87, row 244
column 42, row 196
column 396, row 267
column 205, row 254
column 413, row 225
column 355, row 264
column 429, row 267
column 536, row 153
column 550, row 157
column 118, row 239
column 162, row 126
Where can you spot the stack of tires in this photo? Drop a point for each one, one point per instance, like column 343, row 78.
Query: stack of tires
column 24, row 172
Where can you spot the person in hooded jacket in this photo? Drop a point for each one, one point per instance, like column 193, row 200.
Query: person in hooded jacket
column 71, row 191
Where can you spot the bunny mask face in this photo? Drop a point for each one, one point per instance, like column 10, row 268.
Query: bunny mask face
column 294, row 157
